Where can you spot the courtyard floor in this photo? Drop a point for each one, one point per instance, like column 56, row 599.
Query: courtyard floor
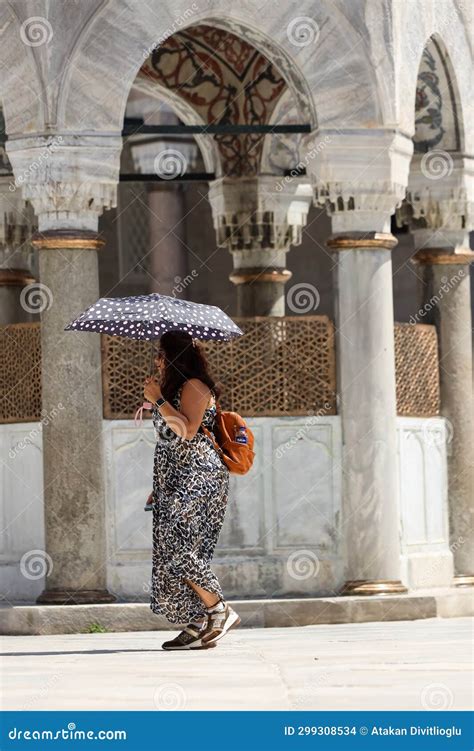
column 404, row 665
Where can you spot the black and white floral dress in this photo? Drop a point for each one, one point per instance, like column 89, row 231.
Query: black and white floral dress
column 190, row 489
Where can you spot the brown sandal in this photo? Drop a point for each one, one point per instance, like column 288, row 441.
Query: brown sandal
column 190, row 638
column 219, row 623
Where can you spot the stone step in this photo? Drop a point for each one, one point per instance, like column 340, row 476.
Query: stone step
column 29, row 618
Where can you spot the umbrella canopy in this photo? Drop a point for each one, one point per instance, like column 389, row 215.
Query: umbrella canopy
column 150, row 316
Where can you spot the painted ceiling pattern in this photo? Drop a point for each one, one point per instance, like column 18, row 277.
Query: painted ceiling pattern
column 435, row 115
column 226, row 81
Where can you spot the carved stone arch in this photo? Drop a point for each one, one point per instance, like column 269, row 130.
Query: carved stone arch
column 21, row 74
column 439, row 193
column 187, row 114
column 438, row 122
column 286, row 65
column 282, row 151
column 225, row 80
column 120, row 38
column 145, row 32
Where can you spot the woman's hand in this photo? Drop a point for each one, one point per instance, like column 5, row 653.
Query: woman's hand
column 151, row 390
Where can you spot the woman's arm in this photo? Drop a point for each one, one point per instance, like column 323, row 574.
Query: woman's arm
column 195, row 397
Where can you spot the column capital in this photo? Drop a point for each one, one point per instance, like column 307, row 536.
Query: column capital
column 359, row 175
column 69, row 179
column 16, row 226
column 259, row 213
column 166, row 158
column 440, row 191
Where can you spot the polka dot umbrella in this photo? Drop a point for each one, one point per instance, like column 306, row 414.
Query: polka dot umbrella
column 150, row 316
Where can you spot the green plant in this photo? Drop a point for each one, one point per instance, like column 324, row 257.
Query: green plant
column 95, row 628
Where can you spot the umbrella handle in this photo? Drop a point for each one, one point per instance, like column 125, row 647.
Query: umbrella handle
column 152, row 362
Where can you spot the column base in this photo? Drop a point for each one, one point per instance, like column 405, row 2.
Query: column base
column 80, row 597
column 373, row 587
column 464, row 580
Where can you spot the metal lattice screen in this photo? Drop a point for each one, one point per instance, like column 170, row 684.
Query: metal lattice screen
column 20, row 372
column 417, row 370
column 282, row 366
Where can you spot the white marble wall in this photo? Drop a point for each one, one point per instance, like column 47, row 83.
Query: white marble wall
column 426, row 557
column 21, row 510
column 282, row 530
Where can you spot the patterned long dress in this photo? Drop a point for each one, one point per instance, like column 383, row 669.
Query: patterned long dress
column 190, row 489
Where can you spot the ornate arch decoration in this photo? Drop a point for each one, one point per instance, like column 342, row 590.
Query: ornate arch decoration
column 226, row 80
column 438, row 121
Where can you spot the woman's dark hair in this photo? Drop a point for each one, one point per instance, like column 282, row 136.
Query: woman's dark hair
column 184, row 359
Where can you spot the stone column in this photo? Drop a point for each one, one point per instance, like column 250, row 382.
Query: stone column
column 366, row 370
column 439, row 211
column 68, row 195
column 450, row 283
column 258, row 220
column 167, row 158
column 260, row 277
column 360, row 179
column 168, row 258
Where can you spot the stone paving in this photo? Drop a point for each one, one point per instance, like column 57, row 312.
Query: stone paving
column 407, row 665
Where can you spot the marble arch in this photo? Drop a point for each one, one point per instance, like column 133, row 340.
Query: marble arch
column 217, row 77
column 108, row 47
column 447, row 27
column 438, row 120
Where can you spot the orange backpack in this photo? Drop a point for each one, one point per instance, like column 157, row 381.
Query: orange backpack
column 233, row 440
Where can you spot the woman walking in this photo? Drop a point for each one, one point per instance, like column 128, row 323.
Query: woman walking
column 189, row 497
